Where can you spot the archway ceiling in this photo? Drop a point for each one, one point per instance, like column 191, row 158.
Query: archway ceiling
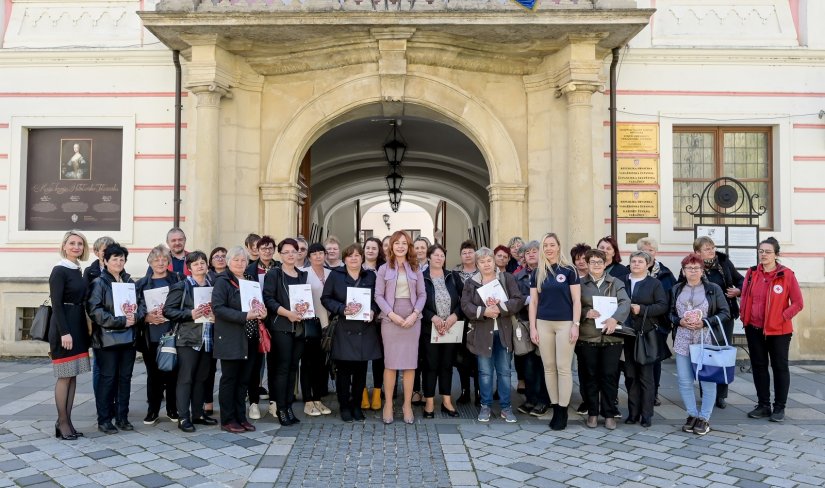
column 348, row 163
column 499, row 41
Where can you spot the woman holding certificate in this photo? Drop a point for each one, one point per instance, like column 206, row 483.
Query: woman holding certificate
column 287, row 327
column 441, row 313
column 151, row 293
column 488, row 300
column 399, row 292
column 189, row 306
column 236, row 332
column 555, row 310
column 314, row 374
column 112, row 306
column 696, row 304
column 605, row 306
column 347, row 296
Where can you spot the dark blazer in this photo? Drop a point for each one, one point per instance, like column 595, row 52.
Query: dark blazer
column 523, row 278
column 92, row 272
column 480, row 335
column 276, row 295
column 101, row 308
column 454, row 287
column 618, row 270
column 650, row 296
column 354, row 340
column 178, row 309
column 717, row 306
column 252, row 268
column 230, row 340
column 152, row 333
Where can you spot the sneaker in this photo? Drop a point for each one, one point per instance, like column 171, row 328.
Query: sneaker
column 151, row 418
column 484, row 414
column 173, row 416
column 322, row 408
column 273, row 409
column 539, row 410
column 760, row 412
column 508, row 415
column 582, row 410
column 254, row 412
column 526, row 408
column 124, row 425
column 702, row 427
column 311, row 410
column 689, row 424
column 778, row 415
column 264, row 395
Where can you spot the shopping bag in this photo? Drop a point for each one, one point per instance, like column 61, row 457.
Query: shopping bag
column 714, row 364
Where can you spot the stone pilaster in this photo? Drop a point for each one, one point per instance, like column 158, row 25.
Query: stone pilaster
column 507, row 211
column 392, row 66
column 280, row 210
column 204, row 170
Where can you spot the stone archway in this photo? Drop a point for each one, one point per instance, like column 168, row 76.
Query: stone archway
column 360, row 95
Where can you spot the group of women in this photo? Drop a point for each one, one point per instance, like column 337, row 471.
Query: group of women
column 414, row 298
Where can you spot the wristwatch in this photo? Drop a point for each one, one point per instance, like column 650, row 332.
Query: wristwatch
column 576, row 323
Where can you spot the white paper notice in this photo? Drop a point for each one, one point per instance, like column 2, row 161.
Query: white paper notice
column 606, row 306
column 251, row 297
column 359, row 298
column 155, row 298
column 715, row 232
column 742, row 258
column 494, row 290
column 453, row 335
column 743, row 236
column 300, row 301
column 203, row 296
column 124, row 298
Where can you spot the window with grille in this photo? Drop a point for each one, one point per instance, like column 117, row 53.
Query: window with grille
column 703, row 154
column 25, row 316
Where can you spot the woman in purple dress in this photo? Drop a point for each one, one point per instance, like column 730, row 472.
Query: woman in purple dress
column 401, row 297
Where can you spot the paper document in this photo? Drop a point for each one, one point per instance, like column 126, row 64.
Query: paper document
column 300, row 301
column 606, row 306
column 203, row 296
column 493, row 290
column 251, row 297
column 155, row 298
column 453, row 335
column 360, row 298
column 124, row 298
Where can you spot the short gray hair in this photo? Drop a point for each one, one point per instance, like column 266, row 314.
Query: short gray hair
column 102, row 243
column 514, row 241
column 159, row 251
column 647, row 241
column 643, row 254
column 529, row 246
column 234, row 252
column 484, row 252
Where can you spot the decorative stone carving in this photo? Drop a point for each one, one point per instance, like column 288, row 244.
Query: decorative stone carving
column 757, row 23
column 381, row 5
column 392, row 60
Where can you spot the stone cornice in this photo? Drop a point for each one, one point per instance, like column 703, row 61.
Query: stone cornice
column 30, row 58
column 512, row 192
column 725, row 57
column 280, row 192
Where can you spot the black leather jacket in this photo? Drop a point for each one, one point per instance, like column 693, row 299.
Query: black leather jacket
column 178, row 309
column 276, row 295
column 717, row 307
column 230, row 340
column 101, row 309
column 454, row 286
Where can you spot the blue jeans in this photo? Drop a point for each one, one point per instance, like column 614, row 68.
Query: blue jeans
column 687, row 379
column 500, row 361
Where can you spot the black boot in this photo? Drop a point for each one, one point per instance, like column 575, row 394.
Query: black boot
column 561, row 423
column 556, row 416
column 283, row 418
column 464, row 398
column 291, row 416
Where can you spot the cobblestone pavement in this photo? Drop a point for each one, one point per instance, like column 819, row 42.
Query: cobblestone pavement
column 433, row 453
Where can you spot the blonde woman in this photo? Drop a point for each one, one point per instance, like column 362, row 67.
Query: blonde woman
column 555, row 309
column 68, row 335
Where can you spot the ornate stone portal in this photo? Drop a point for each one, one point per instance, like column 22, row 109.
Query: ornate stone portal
column 271, row 76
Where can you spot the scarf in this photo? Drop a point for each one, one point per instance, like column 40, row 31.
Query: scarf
column 654, row 270
column 68, row 264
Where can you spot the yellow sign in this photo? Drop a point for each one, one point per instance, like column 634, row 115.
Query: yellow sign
column 638, row 171
column 638, row 204
column 637, row 138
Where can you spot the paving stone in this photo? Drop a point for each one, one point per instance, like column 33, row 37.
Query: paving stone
column 153, row 480
column 32, row 480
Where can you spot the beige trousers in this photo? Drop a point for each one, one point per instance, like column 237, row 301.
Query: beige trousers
column 557, row 357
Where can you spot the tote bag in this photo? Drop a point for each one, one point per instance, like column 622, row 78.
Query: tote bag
column 167, row 355
column 521, row 338
column 714, row 364
column 40, row 325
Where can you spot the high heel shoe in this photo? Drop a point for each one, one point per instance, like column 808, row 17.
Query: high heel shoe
column 429, row 415
column 409, row 419
column 59, row 435
column 385, row 418
column 451, row 413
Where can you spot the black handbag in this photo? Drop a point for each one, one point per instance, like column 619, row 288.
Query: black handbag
column 646, row 350
column 328, row 335
column 117, row 337
column 40, row 324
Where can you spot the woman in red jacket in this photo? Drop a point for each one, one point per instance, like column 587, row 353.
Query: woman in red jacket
column 770, row 299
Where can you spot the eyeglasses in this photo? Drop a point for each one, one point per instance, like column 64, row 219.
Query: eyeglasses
column 765, row 251
column 266, row 249
column 596, row 262
column 288, row 253
column 222, row 258
column 692, row 268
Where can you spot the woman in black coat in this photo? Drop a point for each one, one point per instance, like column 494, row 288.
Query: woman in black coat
column 720, row 270
column 68, row 335
column 113, row 339
column 234, row 331
column 648, row 304
column 355, row 341
column 441, row 310
column 194, row 342
column 286, row 328
column 159, row 384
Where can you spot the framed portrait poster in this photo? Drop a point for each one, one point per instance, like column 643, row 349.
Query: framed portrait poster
column 73, row 179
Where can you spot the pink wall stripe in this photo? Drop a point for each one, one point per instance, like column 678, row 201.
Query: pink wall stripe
column 809, row 158
column 88, row 94
column 809, row 126
column 158, row 156
column 687, row 93
column 158, row 187
column 808, row 190
column 159, row 125
column 145, row 218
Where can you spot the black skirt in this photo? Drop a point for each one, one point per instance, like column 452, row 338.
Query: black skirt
column 74, row 361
